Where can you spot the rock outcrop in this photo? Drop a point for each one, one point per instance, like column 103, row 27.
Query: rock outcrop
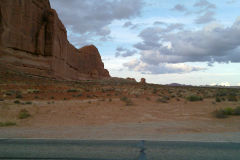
column 34, row 40
column 143, row 81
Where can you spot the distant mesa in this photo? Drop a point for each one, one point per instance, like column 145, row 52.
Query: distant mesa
column 131, row 79
column 34, row 40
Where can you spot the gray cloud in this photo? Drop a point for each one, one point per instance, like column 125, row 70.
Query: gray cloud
column 180, row 8
column 205, row 18
column 159, row 23
column 127, row 24
column 152, row 35
column 206, row 12
column 214, row 43
column 231, row 1
column 205, row 5
column 123, row 52
column 84, row 16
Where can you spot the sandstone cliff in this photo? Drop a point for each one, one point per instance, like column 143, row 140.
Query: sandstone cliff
column 34, row 40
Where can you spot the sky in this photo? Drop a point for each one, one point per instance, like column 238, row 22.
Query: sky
column 194, row 42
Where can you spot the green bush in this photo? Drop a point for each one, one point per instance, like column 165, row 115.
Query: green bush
column 17, row 102
column 28, row 102
column 6, row 124
column 223, row 113
column 237, row 111
column 194, row 98
column 219, row 114
column 163, row 100
column 23, row 114
column 218, row 99
column 228, row 111
column 232, row 98
column 19, row 96
column 128, row 101
column 72, row 90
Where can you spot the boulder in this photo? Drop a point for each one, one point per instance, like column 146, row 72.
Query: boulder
column 34, row 40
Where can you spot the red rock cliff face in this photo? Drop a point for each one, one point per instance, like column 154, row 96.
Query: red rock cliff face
column 34, row 40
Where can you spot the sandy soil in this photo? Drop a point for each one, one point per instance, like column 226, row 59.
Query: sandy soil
column 96, row 111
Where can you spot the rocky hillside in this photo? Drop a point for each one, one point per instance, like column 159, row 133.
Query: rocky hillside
column 34, row 40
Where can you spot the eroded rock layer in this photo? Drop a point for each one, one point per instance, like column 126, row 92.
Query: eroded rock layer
column 34, row 40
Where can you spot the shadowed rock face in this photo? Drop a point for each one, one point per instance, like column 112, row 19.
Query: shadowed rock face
column 34, row 40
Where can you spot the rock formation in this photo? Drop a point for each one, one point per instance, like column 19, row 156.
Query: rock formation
column 143, row 81
column 34, row 40
column 131, row 79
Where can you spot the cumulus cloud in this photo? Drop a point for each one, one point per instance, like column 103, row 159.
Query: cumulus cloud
column 84, row 16
column 162, row 68
column 165, row 50
column 180, row 8
column 213, row 43
column 123, row 52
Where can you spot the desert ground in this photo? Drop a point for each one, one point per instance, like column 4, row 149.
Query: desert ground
column 38, row 107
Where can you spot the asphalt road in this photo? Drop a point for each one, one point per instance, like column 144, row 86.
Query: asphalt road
column 117, row 150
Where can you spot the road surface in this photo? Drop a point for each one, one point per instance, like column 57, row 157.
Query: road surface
column 116, row 150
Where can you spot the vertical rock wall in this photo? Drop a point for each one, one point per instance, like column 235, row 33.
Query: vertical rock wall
column 34, row 40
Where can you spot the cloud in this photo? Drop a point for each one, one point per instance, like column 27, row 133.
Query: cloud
column 127, row 24
column 179, row 8
column 159, row 23
column 163, row 68
column 206, row 12
column 238, row 84
column 213, row 43
column 123, row 52
column 205, row 18
column 231, row 1
column 226, row 84
column 205, row 5
column 84, row 16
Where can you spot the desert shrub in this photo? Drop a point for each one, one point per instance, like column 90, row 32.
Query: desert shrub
column 218, row 99
column 127, row 101
column 36, row 91
column 154, row 91
column 223, row 113
column 28, row 102
column 221, row 93
column 228, row 111
column 163, row 99
column 72, row 90
column 79, row 95
column 124, row 98
column 237, row 111
column 148, row 98
column 19, row 96
column 220, row 114
column 232, row 97
column 6, row 124
column 17, row 102
column 23, row 114
column 194, row 98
